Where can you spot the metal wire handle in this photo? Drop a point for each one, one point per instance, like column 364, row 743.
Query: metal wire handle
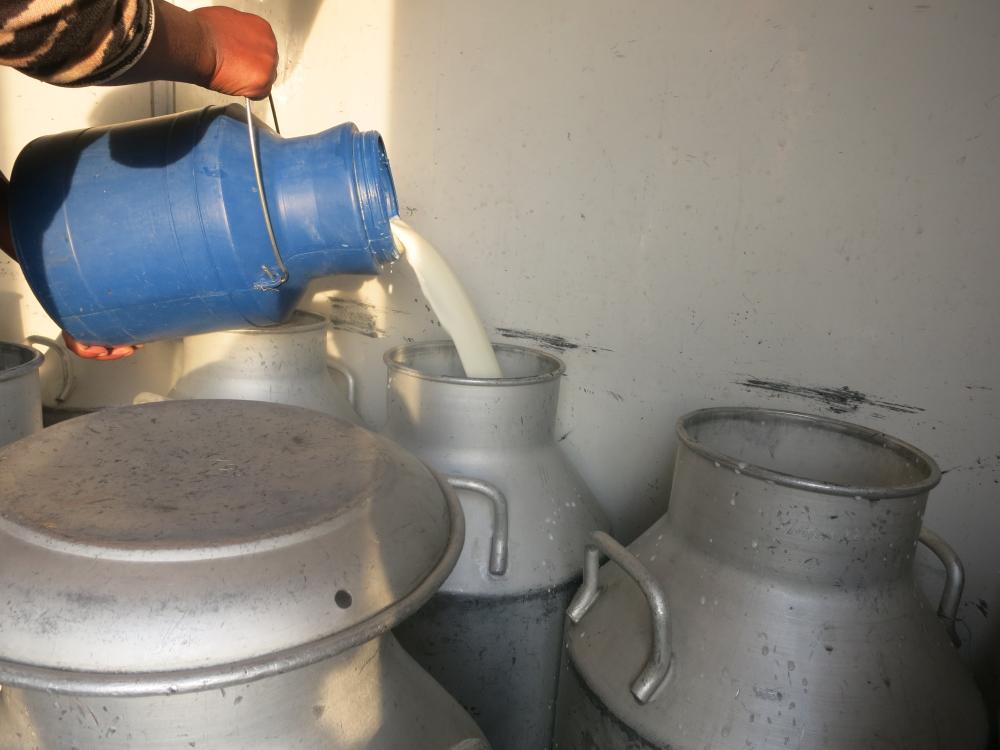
column 273, row 278
column 499, row 544
column 954, row 583
column 660, row 662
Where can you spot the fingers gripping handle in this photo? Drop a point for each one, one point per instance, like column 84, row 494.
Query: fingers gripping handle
column 954, row 582
column 657, row 668
column 498, row 545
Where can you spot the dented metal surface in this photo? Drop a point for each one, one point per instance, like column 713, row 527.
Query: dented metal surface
column 494, row 640
column 217, row 571
column 786, row 558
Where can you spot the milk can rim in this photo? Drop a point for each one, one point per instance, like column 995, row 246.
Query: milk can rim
column 312, row 321
column 197, row 679
column 894, row 444
column 33, row 363
column 557, row 366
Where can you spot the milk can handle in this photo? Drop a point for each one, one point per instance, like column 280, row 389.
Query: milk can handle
column 337, row 365
column 657, row 668
column 65, row 367
column 271, row 280
column 498, row 545
column 954, row 581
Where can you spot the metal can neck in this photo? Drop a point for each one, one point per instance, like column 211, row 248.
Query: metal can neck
column 464, row 416
column 790, row 532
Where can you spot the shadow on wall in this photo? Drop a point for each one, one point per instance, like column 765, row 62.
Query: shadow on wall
column 122, row 104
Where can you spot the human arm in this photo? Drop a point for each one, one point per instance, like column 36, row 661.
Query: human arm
column 112, row 42
column 220, row 48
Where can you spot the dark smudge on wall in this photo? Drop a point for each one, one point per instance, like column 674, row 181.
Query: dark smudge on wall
column 548, row 340
column 354, row 316
column 842, row 400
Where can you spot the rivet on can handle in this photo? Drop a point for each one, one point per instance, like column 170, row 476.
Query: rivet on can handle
column 271, row 280
column 657, row 668
column 954, row 581
column 498, row 545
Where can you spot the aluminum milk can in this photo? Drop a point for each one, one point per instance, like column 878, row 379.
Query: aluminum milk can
column 219, row 574
column 285, row 364
column 774, row 605
column 20, row 392
column 492, row 635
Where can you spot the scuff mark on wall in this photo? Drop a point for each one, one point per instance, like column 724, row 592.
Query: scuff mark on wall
column 989, row 463
column 354, row 316
column 548, row 340
column 843, row 400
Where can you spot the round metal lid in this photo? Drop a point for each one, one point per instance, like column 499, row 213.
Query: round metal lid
column 191, row 544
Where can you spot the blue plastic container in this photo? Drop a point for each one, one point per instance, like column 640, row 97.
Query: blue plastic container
column 154, row 229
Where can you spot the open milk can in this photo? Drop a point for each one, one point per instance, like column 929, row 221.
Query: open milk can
column 285, row 364
column 223, row 575
column 775, row 605
column 20, row 392
column 493, row 633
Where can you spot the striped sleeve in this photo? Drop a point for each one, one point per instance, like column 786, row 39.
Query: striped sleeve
column 74, row 42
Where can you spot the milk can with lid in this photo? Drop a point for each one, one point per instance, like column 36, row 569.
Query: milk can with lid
column 223, row 575
column 775, row 604
column 492, row 635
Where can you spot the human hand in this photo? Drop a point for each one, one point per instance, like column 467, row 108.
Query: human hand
column 101, row 353
column 246, row 52
column 220, row 48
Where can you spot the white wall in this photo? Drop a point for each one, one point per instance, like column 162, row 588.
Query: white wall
column 694, row 195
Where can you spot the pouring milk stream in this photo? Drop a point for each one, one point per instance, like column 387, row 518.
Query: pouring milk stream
column 449, row 301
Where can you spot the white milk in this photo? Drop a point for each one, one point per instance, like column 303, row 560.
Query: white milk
column 450, row 303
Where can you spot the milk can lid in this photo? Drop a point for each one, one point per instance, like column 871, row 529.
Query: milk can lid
column 192, row 544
